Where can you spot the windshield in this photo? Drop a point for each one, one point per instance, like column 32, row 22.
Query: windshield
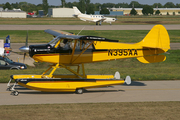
column 54, row 41
column 7, row 60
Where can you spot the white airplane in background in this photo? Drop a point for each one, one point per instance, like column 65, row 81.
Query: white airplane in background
column 93, row 18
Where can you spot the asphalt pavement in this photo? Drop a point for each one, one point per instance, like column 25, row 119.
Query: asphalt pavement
column 138, row 91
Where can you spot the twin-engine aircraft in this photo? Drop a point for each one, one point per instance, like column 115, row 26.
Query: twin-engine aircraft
column 67, row 50
column 98, row 19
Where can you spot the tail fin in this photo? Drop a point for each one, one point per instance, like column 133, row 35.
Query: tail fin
column 158, row 37
column 76, row 11
column 156, row 41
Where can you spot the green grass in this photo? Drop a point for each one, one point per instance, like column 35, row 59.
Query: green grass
column 127, row 36
column 167, row 70
column 93, row 111
column 19, row 36
column 121, row 20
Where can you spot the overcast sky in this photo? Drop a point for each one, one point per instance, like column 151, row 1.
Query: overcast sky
column 58, row 2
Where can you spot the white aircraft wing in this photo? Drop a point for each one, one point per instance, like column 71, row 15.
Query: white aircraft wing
column 82, row 19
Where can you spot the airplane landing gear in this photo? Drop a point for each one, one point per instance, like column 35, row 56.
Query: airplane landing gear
column 100, row 23
column 79, row 91
column 15, row 93
column 9, row 88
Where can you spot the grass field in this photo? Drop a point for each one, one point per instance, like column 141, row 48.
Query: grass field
column 126, row 36
column 121, row 20
column 167, row 70
column 93, row 111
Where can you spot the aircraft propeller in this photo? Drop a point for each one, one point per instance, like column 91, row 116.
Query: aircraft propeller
column 25, row 48
column 116, row 17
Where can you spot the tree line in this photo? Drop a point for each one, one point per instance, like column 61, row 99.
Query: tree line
column 85, row 6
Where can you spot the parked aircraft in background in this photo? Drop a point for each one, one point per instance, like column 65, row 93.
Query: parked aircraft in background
column 98, row 19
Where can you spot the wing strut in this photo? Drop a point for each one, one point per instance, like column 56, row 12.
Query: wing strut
column 73, row 50
column 55, row 66
column 82, row 52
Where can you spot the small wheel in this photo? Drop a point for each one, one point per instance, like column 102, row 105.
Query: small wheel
column 79, row 91
column 8, row 89
column 15, row 93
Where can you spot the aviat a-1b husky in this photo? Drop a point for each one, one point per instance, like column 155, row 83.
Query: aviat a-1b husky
column 75, row 50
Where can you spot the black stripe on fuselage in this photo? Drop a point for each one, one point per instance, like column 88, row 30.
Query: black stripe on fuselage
column 25, row 81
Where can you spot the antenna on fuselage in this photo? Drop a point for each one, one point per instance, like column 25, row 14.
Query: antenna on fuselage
column 81, row 30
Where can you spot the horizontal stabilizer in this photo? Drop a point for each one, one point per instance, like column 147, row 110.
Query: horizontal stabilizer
column 152, row 59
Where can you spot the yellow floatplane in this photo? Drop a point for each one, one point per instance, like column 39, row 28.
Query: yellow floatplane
column 67, row 50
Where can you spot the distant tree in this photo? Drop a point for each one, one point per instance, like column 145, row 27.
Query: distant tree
column 15, row 5
column 82, row 6
column 174, row 13
column 122, row 5
column 7, row 5
column 133, row 12
column 45, row 6
column 157, row 5
column 90, row 9
column 63, row 3
column 69, row 5
column 104, row 11
column 147, row 10
column 75, row 4
column 169, row 5
column 157, row 12
column 96, row 6
column 135, row 4
column 177, row 5
column 108, row 5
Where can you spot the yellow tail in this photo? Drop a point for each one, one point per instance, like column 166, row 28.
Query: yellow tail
column 156, row 41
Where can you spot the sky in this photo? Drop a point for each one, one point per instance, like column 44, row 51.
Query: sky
column 58, row 2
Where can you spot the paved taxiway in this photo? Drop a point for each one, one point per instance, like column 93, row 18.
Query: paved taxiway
column 86, row 27
column 138, row 91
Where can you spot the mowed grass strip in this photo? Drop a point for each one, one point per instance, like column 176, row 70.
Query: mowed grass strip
column 121, row 20
column 167, row 70
column 126, row 36
column 93, row 111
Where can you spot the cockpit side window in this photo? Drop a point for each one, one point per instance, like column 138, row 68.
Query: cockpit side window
column 67, row 45
column 82, row 45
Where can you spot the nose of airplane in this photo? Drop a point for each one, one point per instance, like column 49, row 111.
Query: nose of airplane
column 114, row 19
column 24, row 49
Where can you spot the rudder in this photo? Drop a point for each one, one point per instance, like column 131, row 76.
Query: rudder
column 76, row 11
column 156, row 42
column 158, row 37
